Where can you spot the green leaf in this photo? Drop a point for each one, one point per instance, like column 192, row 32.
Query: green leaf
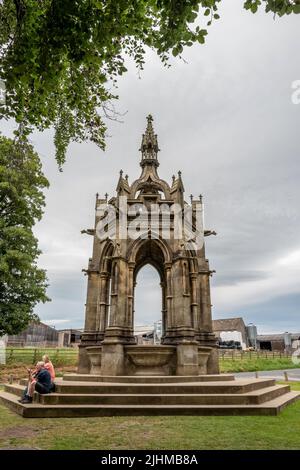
column 22, row 283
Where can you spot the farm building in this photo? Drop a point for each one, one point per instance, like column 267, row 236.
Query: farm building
column 285, row 342
column 36, row 334
column 69, row 337
column 295, row 341
column 144, row 334
column 231, row 330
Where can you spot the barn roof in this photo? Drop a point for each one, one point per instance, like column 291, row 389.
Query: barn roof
column 277, row 337
column 228, row 324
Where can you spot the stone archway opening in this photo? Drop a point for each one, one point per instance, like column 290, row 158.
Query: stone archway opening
column 151, row 255
column 147, row 315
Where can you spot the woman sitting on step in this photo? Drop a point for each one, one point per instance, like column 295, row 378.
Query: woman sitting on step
column 49, row 366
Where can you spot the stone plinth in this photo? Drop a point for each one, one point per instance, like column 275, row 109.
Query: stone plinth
column 187, row 359
column 112, row 359
column 95, row 355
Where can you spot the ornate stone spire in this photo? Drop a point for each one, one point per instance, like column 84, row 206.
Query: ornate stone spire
column 149, row 145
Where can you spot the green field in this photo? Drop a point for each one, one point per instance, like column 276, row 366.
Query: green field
column 186, row 432
column 29, row 356
column 256, row 364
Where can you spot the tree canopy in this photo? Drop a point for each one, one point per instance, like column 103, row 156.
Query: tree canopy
column 22, row 283
column 59, row 58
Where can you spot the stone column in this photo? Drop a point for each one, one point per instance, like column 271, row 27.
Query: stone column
column 107, row 301
column 121, row 285
column 180, row 327
column 205, row 334
column 113, row 294
column 194, row 300
column 130, row 297
column 205, row 321
column 168, row 298
column 90, row 327
column 118, row 331
column 163, row 308
column 89, row 336
column 101, row 314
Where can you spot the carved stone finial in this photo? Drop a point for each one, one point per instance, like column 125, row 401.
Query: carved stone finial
column 149, row 145
column 179, row 174
column 126, row 177
column 121, row 172
column 173, row 179
column 191, row 197
column 106, row 196
column 97, row 196
column 200, row 197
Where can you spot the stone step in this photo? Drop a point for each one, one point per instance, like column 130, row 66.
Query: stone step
column 37, row 410
column 257, row 396
column 141, row 379
column 166, row 399
column 236, row 386
column 15, row 389
column 149, row 379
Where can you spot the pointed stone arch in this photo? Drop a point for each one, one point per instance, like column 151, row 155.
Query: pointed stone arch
column 141, row 244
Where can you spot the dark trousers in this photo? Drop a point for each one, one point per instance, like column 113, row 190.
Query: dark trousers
column 40, row 388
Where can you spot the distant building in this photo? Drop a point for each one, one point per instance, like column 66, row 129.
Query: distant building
column 149, row 334
column 69, row 338
column 157, row 334
column 37, row 334
column 295, row 341
column 285, row 342
column 144, row 334
column 231, row 331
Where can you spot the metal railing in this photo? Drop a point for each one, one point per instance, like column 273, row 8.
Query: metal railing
column 236, row 354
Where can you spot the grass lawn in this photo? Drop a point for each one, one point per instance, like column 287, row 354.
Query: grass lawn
column 201, row 432
column 253, row 364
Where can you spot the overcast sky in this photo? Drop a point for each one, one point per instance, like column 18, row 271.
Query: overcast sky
column 225, row 118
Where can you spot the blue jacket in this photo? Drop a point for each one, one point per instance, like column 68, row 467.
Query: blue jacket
column 44, row 378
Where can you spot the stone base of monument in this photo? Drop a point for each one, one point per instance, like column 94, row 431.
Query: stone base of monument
column 80, row 395
column 112, row 358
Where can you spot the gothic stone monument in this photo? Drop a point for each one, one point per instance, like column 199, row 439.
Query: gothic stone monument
column 108, row 345
column 116, row 376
